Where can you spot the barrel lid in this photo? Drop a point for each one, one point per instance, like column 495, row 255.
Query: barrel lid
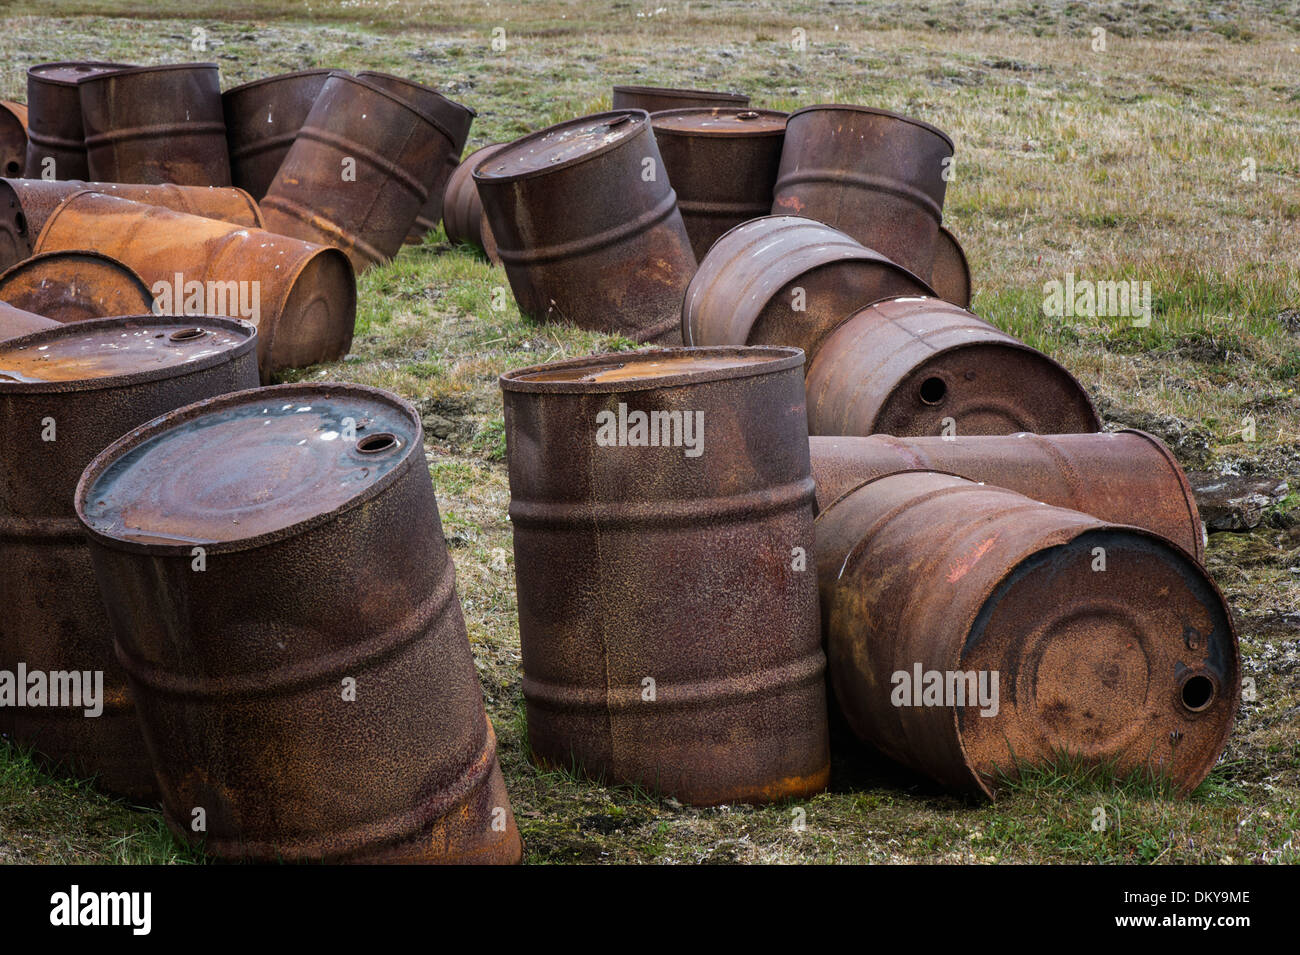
column 563, row 145
column 651, row 369
column 74, row 285
column 720, row 121
column 249, row 466
column 73, row 72
column 848, row 107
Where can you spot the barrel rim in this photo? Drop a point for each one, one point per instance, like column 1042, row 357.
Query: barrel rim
column 128, row 379
column 347, row 77
column 739, row 133
column 568, row 163
column 784, row 358
column 104, row 67
column 279, row 78
column 682, row 92
column 363, row 74
column 129, row 71
column 878, row 111
column 1189, row 496
column 166, row 422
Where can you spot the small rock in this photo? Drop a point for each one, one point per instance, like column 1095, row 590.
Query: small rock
column 1234, row 502
column 1191, row 446
column 438, row 426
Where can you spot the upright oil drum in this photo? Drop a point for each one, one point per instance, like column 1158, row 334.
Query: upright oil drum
column 308, row 683
column 662, row 507
column 587, row 226
column 654, row 99
column 462, row 210
column 56, row 140
column 65, row 394
column 972, row 632
column 262, row 120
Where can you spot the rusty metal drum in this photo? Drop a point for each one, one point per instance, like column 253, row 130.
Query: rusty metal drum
column 56, row 147
column 262, row 120
column 1124, row 477
column 660, row 501
column 155, row 124
column 972, row 631
column 13, row 138
column 588, row 229
column 310, row 686
column 722, row 162
column 302, row 297
column 922, row 366
column 950, row 275
column 654, row 99
column 15, row 321
column 784, row 280
column 75, row 286
column 66, row 393
column 875, row 175
column 462, row 210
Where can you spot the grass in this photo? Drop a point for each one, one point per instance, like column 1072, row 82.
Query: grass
column 1118, row 164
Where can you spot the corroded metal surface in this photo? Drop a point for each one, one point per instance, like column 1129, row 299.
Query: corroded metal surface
column 75, row 286
column 13, row 137
column 587, row 226
column 455, row 120
column 462, row 211
column 652, row 99
column 669, row 631
column 56, row 145
column 262, row 119
column 950, row 275
column 155, row 124
column 783, row 280
column 1109, row 643
column 312, row 689
column 922, row 366
column 359, row 171
column 305, row 295
column 870, row 173
column 65, row 393
column 1125, row 477
column 15, row 321
column 722, row 162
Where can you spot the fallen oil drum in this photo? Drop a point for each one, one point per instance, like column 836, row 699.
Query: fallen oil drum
column 1107, row 643
column 1124, row 477
column 923, row 366
column 950, row 276
column 462, row 211
column 26, row 205
column 56, row 144
column 783, row 280
column 453, row 117
column 654, row 99
column 16, row 321
column 394, row 150
column 312, row 689
column 75, row 286
column 669, row 640
column 13, row 137
column 870, row 173
column 65, row 393
column 302, row 297
column 587, row 226
column 262, row 120
column 722, row 162
column 156, row 124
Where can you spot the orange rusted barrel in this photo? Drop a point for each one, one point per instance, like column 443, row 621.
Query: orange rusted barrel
column 65, row 394
column 660, row 502
column 950, row 275
column 302, row 297
column 972, row 631
column 462, row 210
column 359, row 171
column 262, row 120
column 56, row 138
column 13, row 137
column 783, row 280
column 311, row 691
column 1125, row 477
column 919, row 366
column 75, row 286
column 15, row 321
column 654, row 99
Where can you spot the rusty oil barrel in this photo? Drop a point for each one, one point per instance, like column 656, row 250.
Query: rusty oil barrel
column 870, row 173
column 923, row 366
column 156, row 124
column 1109, row 643
column 302, row 297
column 669, row 639
column 462, row 210
column 312, row 689
column 722, row 163
column 783, row 280
column 65, row 394
column 262, row 120
column 13, row 137
column 395, row 152
column 654, row 99
column 75, row 286
column 16, row 321
column 587, row 226
column 26, row 205
column 56, row 146
column 1124, row 477
column 950, row 275
column 455, row 118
